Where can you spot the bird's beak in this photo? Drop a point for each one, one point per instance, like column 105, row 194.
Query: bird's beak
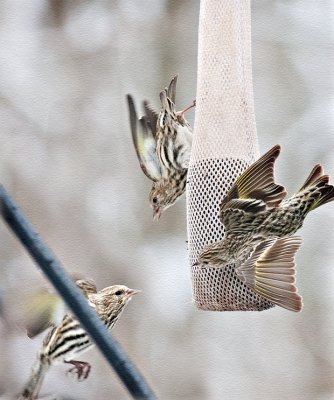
column 132, row 292
column 157, row 213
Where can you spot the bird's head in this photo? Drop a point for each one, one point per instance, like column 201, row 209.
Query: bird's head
column 161, row 197
column 117, row 295
column 212, row 255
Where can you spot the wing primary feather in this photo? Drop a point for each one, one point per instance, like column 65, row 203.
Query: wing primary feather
column 144, row 142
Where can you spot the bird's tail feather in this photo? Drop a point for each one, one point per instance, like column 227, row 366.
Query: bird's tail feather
column 34, row 383
column 171, row 91
column 326, row 195
column 320, row 190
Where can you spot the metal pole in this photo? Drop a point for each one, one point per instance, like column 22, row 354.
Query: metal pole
column 72, row 295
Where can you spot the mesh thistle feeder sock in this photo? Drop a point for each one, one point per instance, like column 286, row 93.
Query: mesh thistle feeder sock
column 225, row 144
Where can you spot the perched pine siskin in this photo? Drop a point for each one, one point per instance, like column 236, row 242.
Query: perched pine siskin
column 163, row 144
column 258, row 227
column 65, row 341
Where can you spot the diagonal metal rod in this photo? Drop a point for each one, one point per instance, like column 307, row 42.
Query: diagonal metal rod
column 72, row 295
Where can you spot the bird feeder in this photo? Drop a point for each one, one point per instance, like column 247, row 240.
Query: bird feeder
column 225, row 144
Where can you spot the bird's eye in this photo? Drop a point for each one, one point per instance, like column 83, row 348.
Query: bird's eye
column 119, row 292
column 155, row 200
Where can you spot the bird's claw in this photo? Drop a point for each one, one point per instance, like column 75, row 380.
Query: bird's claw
column 80, row 368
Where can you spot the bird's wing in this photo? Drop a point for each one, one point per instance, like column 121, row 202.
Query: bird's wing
column 42, row 309
column 243, row 215
column 143, row 137
column 258, row 182
column 151, row 118
column 87, row 286
column 270, row 272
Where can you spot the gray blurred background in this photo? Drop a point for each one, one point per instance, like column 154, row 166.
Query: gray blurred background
column 68, row 160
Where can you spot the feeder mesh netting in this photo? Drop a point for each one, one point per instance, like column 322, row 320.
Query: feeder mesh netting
column 225, row 143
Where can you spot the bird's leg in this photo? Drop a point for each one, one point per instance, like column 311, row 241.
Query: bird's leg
column 81, row 369
column 180, row 113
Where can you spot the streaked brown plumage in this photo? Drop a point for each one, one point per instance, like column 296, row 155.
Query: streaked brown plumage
column 258, row 224
column 64, row 342
column 163, row 144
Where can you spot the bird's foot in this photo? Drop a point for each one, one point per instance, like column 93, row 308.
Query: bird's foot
column 81, row 369
column 181, row 113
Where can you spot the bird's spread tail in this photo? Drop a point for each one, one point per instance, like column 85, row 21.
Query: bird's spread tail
column 270, row 272
column 320, row 191
column 315, row 175
column 326, row 195
column 167, row 104
column 167, row 96
column 34, row 383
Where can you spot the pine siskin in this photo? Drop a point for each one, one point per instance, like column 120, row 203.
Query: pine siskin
column 258, row 224
column 163, row 144
column 64, row 342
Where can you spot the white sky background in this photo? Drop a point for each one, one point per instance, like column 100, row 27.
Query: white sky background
column 68, row 160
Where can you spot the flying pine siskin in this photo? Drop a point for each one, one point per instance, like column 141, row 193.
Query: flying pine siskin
column 65, row 341
column 259, row 225
column 163, row 144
